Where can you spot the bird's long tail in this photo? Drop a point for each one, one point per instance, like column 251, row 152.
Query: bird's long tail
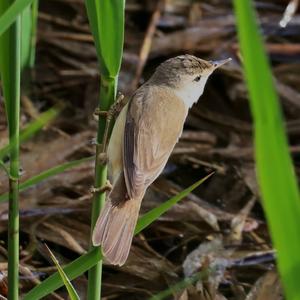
column 115, row 228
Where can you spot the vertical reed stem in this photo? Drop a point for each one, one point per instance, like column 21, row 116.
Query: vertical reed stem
column 11, row 84
column 107, row 97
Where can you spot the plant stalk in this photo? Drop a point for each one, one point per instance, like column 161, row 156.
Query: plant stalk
column 12, row 95
column 108, row 88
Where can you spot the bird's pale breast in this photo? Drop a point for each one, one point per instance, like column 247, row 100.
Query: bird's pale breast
column 115, row 152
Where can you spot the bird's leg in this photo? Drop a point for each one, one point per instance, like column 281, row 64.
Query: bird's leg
column 118, row 105
column 105, row 188
column 114, row 109
column 112, row 113
column 101, row 149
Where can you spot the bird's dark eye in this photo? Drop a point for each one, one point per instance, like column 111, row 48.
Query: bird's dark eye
column 197, row 78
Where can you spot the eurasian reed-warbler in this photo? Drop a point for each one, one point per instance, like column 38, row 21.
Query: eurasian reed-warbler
column 143, row 137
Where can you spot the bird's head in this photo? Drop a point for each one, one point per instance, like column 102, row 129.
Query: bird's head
column 187, row 75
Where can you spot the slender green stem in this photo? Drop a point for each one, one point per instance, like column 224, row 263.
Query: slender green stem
column 107, row 97
column 13, row 111
column 13, row 239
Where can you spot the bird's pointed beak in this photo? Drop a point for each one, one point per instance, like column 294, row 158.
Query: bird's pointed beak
column 219, row 63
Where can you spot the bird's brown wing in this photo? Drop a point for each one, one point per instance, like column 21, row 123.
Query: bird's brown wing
column 153, row 125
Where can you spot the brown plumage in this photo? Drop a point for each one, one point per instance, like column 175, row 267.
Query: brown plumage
column 142, row 140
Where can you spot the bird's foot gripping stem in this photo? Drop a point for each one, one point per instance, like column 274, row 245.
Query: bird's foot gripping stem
column 112, row 113
column 114, row 109
column 107, row 187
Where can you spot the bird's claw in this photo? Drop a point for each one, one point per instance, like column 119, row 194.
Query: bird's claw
column 105, row 188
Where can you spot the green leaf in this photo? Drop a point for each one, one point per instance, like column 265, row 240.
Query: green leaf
column 73, row 270
column 155, row 213
column 274, row 166
column 11, row 13
column 88, row 260
column 71, row 290
column 107, row 25
column 29, row 29
column 33, row 33
column 26, row 37
column 46, row 174
column 33, row 127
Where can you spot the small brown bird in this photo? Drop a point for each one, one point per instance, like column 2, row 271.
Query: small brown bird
column 142, row 140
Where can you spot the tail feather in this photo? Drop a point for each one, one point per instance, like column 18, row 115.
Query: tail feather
column 115, row 228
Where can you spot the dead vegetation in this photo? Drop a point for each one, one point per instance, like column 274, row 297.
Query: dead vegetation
column 222, row 224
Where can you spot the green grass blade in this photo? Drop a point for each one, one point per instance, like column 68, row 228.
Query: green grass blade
column 107, row 25
column 275, row 170
column 34, row 24
column 72, row 270
column 29, row 30
column 12, row 12
column 26, row 37
column 34, row 127
column 155, row 213
column 90, row 259
column 71, row 290
column 5, row 169
column 46, row 174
